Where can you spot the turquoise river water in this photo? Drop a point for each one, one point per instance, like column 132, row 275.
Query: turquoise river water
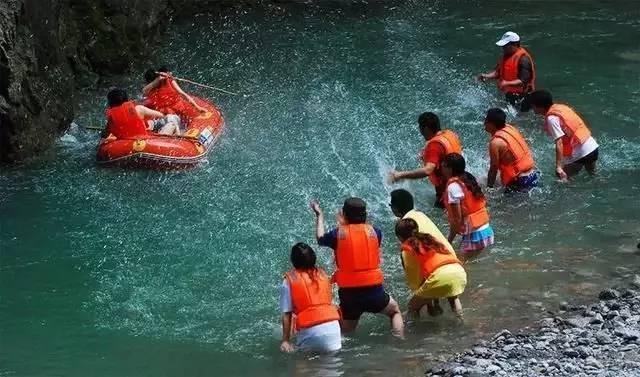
column 140, row 273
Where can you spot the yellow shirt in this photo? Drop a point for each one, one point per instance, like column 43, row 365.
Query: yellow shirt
column 409, row 261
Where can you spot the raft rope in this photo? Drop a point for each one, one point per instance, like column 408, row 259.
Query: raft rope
column 203, row 85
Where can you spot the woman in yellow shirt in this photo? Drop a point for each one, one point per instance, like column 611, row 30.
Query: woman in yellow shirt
column 432, row 271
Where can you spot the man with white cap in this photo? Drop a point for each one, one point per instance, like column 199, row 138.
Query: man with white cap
column 515, row 72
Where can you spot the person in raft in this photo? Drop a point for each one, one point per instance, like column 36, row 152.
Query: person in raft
column 439, row 143
column 509, row 154
column 162, row 92
column 432, row 271
column 127, row 120
column 515, row 72
column 402, row 207
column 575, row 147
column 358, row 274
column 306, row 305
column 466, row 208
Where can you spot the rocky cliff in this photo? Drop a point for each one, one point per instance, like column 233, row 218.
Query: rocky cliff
column 49, row 48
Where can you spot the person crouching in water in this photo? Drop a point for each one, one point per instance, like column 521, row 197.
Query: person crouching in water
column 466, row 208
column 306, row 293
column 432, row 271
column 356, row 246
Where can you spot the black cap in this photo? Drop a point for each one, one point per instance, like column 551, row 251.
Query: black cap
column 355, row 210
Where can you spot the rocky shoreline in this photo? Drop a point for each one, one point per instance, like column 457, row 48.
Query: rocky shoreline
column 601, row 339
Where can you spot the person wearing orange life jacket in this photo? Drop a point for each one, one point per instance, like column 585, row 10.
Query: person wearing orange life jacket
column 575, row 147
column 515, row 72
column 466, row 208
column 432, row 271
column 509, row 154
column 306, row 305
column 356, row 246
column 439, row 143
column 127, row 120
column 163, row 93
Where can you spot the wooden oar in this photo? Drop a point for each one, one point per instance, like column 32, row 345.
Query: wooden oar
column 202, row 85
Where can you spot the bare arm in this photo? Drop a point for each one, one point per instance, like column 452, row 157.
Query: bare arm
column 455, row 222
column 315, row 206
column 559, row 170
column 147, row 113
column 285, row 345
column 489, row 75
column 425, row 171
column 187, row 97
column 494, row 155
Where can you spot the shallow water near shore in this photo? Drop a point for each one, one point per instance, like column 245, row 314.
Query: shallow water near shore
column 112, row 273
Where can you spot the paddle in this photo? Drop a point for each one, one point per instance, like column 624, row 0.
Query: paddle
column 198, row 84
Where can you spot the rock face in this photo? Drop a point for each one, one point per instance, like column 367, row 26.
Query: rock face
column 50, row 47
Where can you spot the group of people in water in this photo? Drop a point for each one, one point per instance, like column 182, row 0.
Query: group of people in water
column 432, row 268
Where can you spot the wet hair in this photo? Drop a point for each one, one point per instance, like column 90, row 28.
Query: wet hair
column 402, row 200
column 407, row 231
column 456, row 163
column 541, row 98
column 497, row 117
column 116, row 97
column 355, row 210
column 151, row 74
column 303, row 257
column 429, row 120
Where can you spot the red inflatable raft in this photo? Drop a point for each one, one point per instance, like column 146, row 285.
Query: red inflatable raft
column 156, row 151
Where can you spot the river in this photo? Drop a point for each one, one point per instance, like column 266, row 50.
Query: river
column 138, row 273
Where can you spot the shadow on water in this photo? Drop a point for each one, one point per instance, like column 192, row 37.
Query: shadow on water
column 109, row 272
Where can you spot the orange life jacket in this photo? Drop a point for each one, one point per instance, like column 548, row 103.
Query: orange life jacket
column 124, row 123
column 430, row 260
column 311, row 298
column 574, row 128
column 357, row 257
column 474, row 210
column 451, row 144
column 508, row 70
column 523, row 160
column 167, row 100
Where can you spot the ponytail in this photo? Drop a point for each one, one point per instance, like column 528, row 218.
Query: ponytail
column 472, row 184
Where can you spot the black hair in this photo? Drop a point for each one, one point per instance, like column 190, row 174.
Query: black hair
column 429, row 120
column 303, row 257
column 151, row 74
column 116, row 97
column 456, row 163
column 541, row 98
column 355, row 211
column 497, row 117
column 402, row 200
column 407, row 230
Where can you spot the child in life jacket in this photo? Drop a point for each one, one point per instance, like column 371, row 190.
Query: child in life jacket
column 466, row 208
column 432, row 271
column 307, row 306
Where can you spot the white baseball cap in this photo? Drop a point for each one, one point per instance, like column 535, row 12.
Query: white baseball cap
column 508, row 37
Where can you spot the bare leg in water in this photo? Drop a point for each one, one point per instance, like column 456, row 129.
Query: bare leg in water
column 456, row 306
column 392, row 310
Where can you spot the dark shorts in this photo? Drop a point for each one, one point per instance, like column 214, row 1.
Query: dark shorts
column 355, row 301
column 524, row 183
column 588, row 159
column 519, row 101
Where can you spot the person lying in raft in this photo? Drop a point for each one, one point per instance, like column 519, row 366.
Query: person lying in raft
column 466, row 208
column 163, row 93
column 306, row 305
column 432, row 271
column 127, row 120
